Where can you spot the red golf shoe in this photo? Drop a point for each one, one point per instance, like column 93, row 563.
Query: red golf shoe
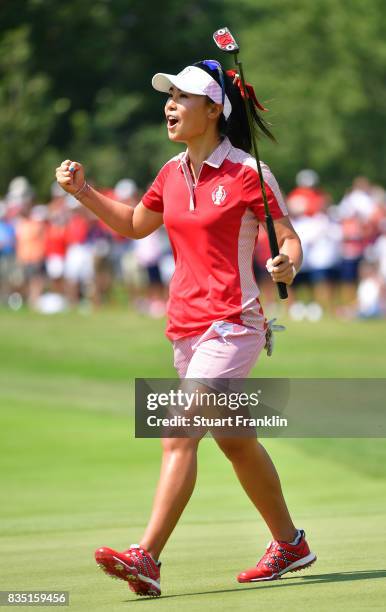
column 280, row 558
column 135, row 565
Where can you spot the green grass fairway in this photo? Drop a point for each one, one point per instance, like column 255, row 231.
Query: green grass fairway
column 73, row 477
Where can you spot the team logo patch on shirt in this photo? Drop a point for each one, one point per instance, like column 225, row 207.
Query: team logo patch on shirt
column 219, row 195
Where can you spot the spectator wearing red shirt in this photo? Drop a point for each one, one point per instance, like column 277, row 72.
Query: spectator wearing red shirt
column 356, row 211
column 55, row 251
column 79, row 258
column 313, row 219
column 307, row 196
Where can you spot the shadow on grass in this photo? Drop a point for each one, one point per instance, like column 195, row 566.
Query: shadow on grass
column 286, row 582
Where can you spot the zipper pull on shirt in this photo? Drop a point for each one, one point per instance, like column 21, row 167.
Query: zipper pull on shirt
column 189, row 182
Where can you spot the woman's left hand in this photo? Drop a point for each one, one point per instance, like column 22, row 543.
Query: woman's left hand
column 281, row 269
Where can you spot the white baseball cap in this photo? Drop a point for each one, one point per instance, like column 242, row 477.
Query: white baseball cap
column 194, row 80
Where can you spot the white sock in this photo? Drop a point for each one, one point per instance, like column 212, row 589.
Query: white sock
column 297, row 539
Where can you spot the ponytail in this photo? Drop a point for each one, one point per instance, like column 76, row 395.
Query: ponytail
column 236, row 127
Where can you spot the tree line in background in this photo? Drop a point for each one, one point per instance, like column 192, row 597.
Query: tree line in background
column 75, row 83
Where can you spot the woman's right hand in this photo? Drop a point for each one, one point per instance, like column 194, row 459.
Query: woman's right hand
column 70, row 176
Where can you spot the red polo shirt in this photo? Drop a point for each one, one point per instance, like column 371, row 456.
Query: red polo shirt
column 213, row 229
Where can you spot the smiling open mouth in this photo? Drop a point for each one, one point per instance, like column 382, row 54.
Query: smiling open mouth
column 171, row 121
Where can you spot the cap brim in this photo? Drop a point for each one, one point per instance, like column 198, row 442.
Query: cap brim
column 163, row 82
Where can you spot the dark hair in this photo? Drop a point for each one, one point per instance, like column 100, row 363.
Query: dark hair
column 236, row 127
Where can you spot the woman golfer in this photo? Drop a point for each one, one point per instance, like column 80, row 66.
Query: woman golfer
column 210, row 201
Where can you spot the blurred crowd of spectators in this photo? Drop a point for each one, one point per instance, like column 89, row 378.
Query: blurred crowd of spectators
column 57, row 255
column 344, row 250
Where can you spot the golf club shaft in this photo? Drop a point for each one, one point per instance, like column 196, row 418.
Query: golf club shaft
column 273, row 244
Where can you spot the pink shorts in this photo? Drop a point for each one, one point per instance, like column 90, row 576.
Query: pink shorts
column 224, row 350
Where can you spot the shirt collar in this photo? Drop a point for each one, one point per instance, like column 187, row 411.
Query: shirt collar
column 216, row 158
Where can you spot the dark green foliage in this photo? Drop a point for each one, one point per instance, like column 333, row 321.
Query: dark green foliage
column 75, row 82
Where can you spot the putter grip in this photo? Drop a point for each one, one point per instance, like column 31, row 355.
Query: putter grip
column 274, row 247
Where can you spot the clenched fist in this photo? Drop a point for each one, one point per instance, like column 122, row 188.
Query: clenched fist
column 70, row 176
column 281, row 269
